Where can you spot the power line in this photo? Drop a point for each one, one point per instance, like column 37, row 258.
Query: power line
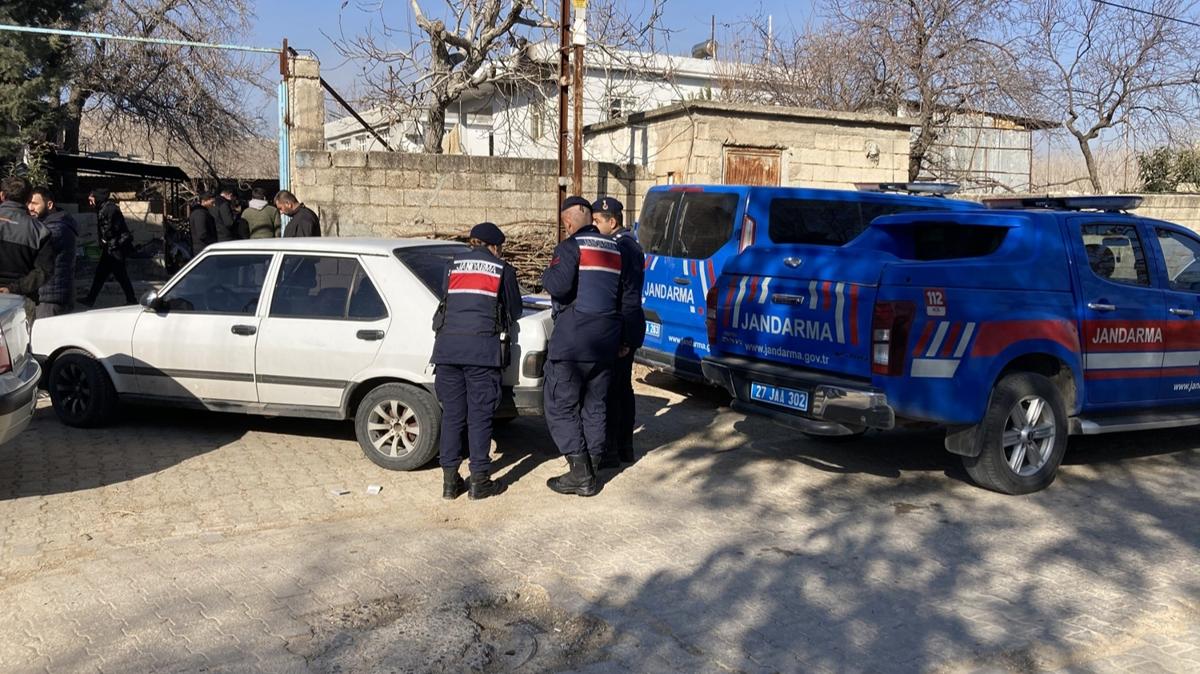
column 1147, row 12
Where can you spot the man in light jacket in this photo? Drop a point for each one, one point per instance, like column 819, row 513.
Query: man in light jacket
column 262, row 219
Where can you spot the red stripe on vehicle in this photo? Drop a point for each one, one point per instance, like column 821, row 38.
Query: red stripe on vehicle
column 996, row 336
column 1143, row 373
column 951, row 342
column 853, row 314
column 649, row 259
column 752, row 291
column 712, row 274
column 826, row 295
column 729, row 304
column 923, row 342
column 1122, row 336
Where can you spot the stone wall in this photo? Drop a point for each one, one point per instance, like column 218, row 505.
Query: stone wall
column 688, row 143
column 1181, row 209
column 400, row 194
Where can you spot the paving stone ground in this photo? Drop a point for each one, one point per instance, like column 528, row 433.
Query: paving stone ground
column 179, row 541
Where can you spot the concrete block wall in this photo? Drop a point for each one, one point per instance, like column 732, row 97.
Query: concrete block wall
column 413, row 195
column 1181, row 209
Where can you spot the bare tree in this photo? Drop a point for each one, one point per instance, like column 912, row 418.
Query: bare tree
column 195, row 97
column 458, row 49
column 1102, row 67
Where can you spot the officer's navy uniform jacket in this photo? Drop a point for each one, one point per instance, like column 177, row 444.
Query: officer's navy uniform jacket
column 477, row 288
column 481, row 300
column 633, row 276
column 584, row 282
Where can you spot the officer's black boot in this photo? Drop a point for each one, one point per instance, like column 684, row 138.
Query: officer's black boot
column 580, row 480
column 482, row 486
column 452, row 485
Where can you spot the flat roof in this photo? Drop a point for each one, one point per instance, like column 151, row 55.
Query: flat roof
column 115, row 166
column 752, row 110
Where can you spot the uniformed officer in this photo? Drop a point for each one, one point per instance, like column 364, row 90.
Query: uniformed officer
column 481, row 302
column 607, row 213
column 584, row 282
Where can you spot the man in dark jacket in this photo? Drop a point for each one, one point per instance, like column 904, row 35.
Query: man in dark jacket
column 608, row 214
column 480, row 302
column 203, row 225
column 303, row 221
column 222, row 212
column 584, row 282
column 26, row 255
column 116, row 243
column 57, row 296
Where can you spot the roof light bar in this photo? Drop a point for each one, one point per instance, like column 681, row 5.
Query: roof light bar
column 1109, row 203
column 922, row 188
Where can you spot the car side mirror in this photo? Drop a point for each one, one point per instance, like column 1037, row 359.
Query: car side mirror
column 152, row 302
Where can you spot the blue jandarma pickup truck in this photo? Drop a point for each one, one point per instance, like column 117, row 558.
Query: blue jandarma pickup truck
column 1012, row 328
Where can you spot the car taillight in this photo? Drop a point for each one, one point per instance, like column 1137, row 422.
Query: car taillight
column 890, row 325
column 710, row 315
column 5, row 358
column 749, row 228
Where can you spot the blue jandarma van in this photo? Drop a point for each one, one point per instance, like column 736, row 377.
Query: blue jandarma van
column 690, row 231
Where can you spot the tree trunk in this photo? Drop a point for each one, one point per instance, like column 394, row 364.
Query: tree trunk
column 435, row 128
column 1090, row 160
column 72, row 120
column 918, row 149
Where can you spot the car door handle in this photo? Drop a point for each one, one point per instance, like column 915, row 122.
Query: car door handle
column 1100, row 306
column 682, row 280
column 1182, row 312
column 243, row 330
column 370, row 335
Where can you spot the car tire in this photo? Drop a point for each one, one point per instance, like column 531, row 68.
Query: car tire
column 81, row 391
column 397, row 426
column 1022, row 438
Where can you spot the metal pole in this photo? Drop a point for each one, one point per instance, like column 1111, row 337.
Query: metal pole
column 127, row 38
column 564, row 77
column 578, row 140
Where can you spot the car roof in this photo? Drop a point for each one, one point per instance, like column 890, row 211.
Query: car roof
column 333, row 244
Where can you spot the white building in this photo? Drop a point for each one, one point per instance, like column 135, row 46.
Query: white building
column 520, row 119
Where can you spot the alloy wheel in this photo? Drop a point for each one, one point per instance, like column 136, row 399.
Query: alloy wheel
column 393, row 428
column 1029, row 436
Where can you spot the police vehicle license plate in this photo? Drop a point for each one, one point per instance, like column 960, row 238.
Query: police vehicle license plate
column 777, row 395
column 653, row 329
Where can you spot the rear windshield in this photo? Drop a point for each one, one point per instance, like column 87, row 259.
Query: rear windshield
column 654, row 227
column 828, row 222
column 705, row 223
column 429, row 263
column 941, row 241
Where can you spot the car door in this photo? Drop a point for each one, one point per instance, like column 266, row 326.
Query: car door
column 200, row 344
column 324, row 326
column 1121, row 312
column 1178, row 256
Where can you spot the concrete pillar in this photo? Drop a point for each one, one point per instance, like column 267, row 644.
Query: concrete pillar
column 306, row 107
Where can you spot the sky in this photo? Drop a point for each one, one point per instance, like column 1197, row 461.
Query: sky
column 308, row 24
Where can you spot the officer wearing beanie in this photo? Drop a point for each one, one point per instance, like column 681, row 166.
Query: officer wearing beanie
column 607, row 213
column 584, row 282
column 481, row 302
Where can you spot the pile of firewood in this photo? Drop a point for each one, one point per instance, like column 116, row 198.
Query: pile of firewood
column 528, row 249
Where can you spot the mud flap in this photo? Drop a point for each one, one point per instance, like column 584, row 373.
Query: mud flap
column 963, row 440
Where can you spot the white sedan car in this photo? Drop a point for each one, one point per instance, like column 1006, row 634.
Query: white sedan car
column 331, row 328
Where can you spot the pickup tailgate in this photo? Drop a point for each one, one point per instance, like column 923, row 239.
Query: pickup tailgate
column 806, row 306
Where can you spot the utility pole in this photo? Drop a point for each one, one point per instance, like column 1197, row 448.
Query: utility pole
column 564, row 79
column 578, row 40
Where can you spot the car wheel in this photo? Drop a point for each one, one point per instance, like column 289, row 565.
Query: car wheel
column 1023, row 436
column 397, row 426
column 81, row 391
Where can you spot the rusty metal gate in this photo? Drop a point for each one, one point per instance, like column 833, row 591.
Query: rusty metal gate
column 752, row 166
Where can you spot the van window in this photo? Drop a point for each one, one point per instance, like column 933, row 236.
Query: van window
column 654, row 227
column 705, row 223
column 1115, row 253
column 941, row 241
column 827, row 222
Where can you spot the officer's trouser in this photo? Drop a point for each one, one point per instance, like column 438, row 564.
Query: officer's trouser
column 621, row 405
column 575, row 396
column 469, row 395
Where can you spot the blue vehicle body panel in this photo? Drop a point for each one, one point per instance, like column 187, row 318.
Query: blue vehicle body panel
column 678, row 278
column 1108, row 300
